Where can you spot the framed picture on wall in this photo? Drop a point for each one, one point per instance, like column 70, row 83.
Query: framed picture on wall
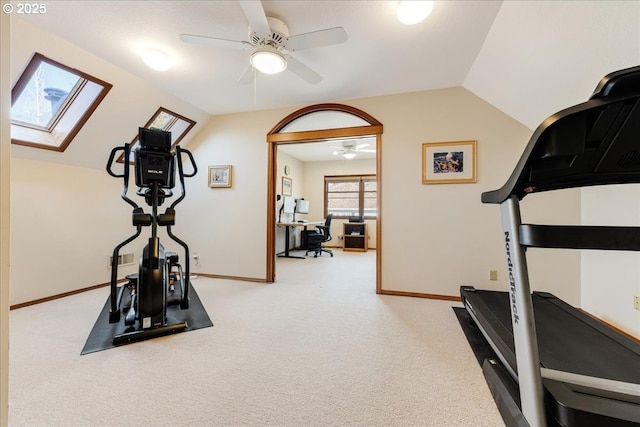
column 220, row 176
column 449, row 162
column 287, row 184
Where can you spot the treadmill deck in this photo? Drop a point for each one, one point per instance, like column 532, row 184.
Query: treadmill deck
column 568, row 340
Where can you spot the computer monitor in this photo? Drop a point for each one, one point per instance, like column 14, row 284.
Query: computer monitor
column 288, row 205
column 302, row 206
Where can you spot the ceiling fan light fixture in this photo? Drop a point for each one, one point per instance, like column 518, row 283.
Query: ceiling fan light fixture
column 268, row 60
column 412, row 12
column 156, row 59
column 349, row 155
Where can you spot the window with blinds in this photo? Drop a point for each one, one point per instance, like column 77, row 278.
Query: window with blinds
column 351, row 195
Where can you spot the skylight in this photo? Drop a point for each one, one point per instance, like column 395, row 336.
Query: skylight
column 51, row 102
column 168, row 121
column 46, row 91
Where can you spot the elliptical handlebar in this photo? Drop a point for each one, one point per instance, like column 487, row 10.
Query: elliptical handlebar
column 191, row 159
column 125, row 175
column 126, row 149
column 181, row 174
column 112, row 156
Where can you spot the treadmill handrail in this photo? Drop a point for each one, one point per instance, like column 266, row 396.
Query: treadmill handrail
column 573, row 148
column 580, row 237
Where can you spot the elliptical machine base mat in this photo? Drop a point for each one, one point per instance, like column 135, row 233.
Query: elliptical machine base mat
column 103, row 333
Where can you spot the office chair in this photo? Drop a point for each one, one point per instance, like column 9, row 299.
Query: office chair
column 316, row 239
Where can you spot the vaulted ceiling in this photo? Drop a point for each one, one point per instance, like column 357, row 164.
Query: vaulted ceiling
column 381, row 55
column 527, row 58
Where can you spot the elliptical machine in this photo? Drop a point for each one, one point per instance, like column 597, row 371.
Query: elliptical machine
column 160, row 280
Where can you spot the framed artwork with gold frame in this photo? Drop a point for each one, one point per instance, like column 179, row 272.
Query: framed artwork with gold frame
column 287, row 186
column 449, row 162
column 220, row 176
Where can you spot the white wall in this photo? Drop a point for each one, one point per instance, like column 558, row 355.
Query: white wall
column 437, row 237
column 554, row 270
column 5, row 201
column 610, row 279
column 434, row 237
column 541, row 57
column 227, row 226
column 65, row 222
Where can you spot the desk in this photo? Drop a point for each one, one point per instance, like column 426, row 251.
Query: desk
column 288, row 225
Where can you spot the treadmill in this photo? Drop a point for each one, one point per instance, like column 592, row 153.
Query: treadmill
column 554, row 364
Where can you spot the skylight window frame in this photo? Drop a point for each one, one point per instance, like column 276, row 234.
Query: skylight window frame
column 176, row 117
column 75, row 123
column 61, row 111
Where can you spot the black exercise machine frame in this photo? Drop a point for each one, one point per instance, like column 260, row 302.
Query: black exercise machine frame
column 593, row 143
column 154, row 197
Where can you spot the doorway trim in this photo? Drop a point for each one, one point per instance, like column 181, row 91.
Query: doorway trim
column 275, row 138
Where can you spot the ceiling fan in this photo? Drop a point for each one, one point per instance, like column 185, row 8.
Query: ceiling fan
column 271, row 45
column 349, row 149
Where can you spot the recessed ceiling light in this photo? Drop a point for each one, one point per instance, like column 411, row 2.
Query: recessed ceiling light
column 412, row 11
column 156, row 59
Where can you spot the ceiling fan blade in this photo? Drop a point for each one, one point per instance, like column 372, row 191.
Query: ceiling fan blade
column 213, row 41
column 319, row 38
column 248, row 76
column 364, row 144
column 303, row 71
column 256, row 17
column 366, row 151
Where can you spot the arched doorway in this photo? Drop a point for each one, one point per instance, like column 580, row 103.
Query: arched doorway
column 282, row 133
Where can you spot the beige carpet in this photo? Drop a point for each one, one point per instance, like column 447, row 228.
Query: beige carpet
column 317, row 348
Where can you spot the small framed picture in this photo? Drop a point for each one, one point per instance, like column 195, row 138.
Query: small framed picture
column 449, row 162
column 220, row 176
column 287, row 184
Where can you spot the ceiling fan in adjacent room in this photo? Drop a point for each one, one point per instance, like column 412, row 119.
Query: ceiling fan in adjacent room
column 271, row 45
column 349, row 149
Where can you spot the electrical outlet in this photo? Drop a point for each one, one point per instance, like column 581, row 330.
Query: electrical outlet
column 493, row 275
column 636, row 302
